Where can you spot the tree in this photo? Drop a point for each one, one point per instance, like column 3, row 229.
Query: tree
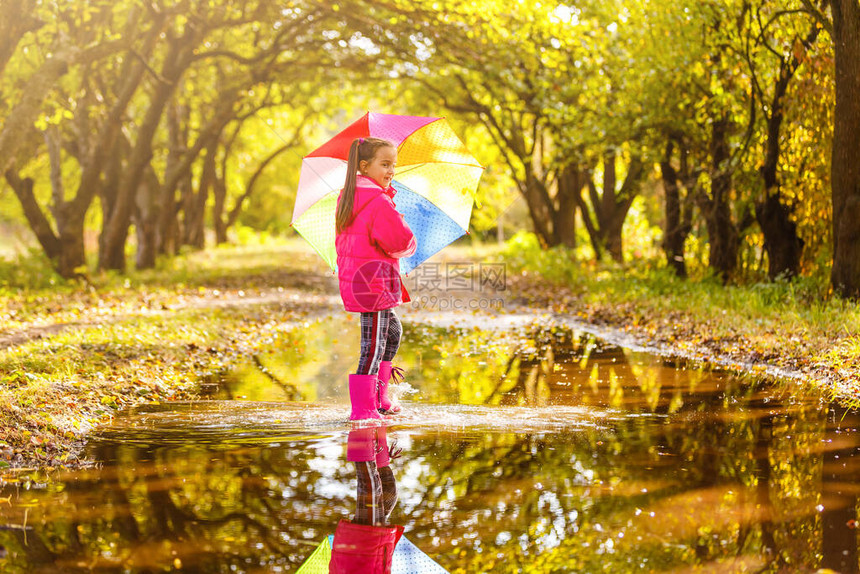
column 503, row 81
column 79, row 46
column 181, row 43
column 845, row 275
column 678, row 208
column 770, row 32
column 608, row 209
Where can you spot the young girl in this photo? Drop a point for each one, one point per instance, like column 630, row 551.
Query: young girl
column 371, row 237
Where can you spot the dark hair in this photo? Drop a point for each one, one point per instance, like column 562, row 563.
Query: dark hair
column 362, row 149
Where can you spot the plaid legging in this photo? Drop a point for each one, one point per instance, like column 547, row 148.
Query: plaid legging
column 376, row 494
column 380, row 339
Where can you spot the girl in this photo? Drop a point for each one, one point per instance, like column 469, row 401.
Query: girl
column 371, row 237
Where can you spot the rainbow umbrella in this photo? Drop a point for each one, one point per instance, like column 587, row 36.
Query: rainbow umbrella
column 436, row 178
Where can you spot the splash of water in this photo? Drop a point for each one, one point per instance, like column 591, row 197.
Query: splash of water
column 253, row 422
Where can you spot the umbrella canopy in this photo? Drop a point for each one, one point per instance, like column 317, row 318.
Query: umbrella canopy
column 436, row 178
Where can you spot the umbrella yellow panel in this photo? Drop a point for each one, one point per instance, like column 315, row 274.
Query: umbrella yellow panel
column 435, row 142
column 317, row 563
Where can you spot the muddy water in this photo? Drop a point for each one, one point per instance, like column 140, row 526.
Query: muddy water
column 524, row 450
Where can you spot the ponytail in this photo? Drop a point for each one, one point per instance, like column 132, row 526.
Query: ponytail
column 361, row 149
column 347, row 196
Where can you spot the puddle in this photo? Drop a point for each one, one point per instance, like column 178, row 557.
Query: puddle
column 524, row 450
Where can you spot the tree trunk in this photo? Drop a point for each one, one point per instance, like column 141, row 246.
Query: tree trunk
column 674, row 235
column 64, row 248
column 540, row 209
column 145, row 217
column 112, row 249
column 115, row 232
column 592, row 229
column 145, row 233
column 611, row 207
column 178, row 173
column 70, row 229
column 194, row 203
column 167, row 232
column 39, row 224
column 571, row 180
column 722, row 232
column 109, row 190
column 845, row 170
column 606, row 210
column 219, row 192
column 784, row 247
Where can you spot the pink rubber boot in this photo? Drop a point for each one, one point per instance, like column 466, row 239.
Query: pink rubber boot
column 383, row 457
column 386, row 406
column 361, row 445
column 362, row 396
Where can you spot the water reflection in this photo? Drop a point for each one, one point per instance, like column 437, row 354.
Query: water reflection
column 537, row 451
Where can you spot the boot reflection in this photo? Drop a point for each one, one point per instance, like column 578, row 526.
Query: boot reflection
column 366, row 544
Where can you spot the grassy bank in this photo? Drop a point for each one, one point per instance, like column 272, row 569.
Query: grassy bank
column 795, row 326
column 72, row 354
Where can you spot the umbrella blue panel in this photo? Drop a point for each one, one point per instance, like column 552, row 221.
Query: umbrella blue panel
column 409, row 559
column 432, row 228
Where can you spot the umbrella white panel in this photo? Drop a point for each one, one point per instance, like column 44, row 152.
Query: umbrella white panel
column 319, row 177
column 317, row 226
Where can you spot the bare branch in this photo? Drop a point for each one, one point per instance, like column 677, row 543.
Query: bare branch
column 819, row 16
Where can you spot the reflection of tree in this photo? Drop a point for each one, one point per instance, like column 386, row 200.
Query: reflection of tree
column 725, row 464
column 209, row 509
column 840, row 473
column 310, row 363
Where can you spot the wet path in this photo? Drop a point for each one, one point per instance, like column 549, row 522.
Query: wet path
column 525, row 449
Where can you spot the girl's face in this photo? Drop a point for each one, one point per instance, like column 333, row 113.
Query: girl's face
column 381, row 168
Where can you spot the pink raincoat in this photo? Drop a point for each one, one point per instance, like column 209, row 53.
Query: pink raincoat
column 363, row 549
column 368, row 249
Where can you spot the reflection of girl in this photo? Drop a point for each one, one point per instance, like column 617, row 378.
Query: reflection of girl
column 366, row 544
column 371, row 237
column 376, row 492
